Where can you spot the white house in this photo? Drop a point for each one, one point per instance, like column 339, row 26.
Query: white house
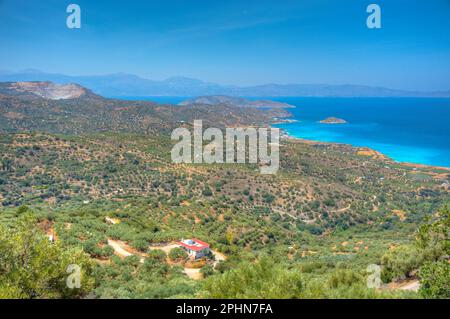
column 195, row 248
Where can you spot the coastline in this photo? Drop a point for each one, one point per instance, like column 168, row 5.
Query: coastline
column 359, row 150
column 407, row 130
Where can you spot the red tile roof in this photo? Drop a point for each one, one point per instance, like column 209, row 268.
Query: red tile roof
column 197, row 246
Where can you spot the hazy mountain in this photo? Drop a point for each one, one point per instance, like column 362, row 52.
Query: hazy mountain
column 235, row 102
column 122, row 84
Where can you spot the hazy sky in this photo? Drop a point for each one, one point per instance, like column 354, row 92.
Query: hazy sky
column 234, row 42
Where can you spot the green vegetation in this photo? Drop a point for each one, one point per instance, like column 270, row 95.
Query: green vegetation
column 320, row 237
column 434, row 278
column 33, row 267
column 428, row 255
column 178, row 254
column 435, row 272
column 98, row 179
column 323, row 236
column 260, row 279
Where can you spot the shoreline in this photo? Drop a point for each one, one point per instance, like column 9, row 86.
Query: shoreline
column 373, row 153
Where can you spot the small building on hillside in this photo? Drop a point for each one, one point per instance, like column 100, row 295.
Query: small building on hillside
column 195, row 248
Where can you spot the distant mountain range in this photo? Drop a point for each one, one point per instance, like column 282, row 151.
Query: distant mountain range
column 122, row 85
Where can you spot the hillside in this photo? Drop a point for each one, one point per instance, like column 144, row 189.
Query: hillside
column 321, row 186
column 235, row 102
column 95, row 175
column 24, row 107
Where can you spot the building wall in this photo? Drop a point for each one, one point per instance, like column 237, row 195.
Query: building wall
column 197, row 254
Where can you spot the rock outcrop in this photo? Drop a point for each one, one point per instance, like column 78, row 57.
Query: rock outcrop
column 49, row 90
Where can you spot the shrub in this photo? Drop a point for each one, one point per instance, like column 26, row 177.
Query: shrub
column 435, row 280
column 44, row 273
column 178, row 254
column 207, row 192
column 140, row 244
column 263, row 279
column 343, row 277
column 207, row 271
column 398, row 262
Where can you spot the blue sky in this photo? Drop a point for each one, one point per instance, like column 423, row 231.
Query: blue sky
column 234, row 42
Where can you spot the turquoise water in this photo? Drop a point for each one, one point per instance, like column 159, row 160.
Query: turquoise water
column 415, row 130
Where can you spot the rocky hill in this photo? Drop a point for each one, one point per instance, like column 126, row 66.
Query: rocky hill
column 45, row 106
column 49, row 90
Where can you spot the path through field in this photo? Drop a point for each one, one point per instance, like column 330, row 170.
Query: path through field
column 123, row 250
column 409, row 285
column 218, row 257
column 412, row 285
column 193, row 273
column 165, row 247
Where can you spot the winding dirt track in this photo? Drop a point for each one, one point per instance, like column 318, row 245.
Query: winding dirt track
column 122, row 250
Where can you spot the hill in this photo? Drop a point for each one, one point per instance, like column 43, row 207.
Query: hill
column 38, row 106
column 95, row 175
column 234, row 102
column 47, row 90
column 349, row 185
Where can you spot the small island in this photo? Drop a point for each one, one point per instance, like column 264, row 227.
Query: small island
column 333, row 120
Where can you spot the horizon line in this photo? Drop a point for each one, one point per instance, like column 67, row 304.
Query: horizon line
column 38, row 71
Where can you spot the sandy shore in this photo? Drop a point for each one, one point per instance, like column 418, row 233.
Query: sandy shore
column 363, row 151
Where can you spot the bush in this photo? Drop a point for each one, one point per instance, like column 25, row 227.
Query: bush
column 435, row 280
column 399, row 262
column 140, row 244
column 33, row 267
column 207, row 192
column 156, row 262
column 178, row 254
column 433, row 238
column 157, row 255
column 263, row 279
column 207, row 271
column 344, row 277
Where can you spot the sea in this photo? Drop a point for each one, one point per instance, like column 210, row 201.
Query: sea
column 414, row 130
